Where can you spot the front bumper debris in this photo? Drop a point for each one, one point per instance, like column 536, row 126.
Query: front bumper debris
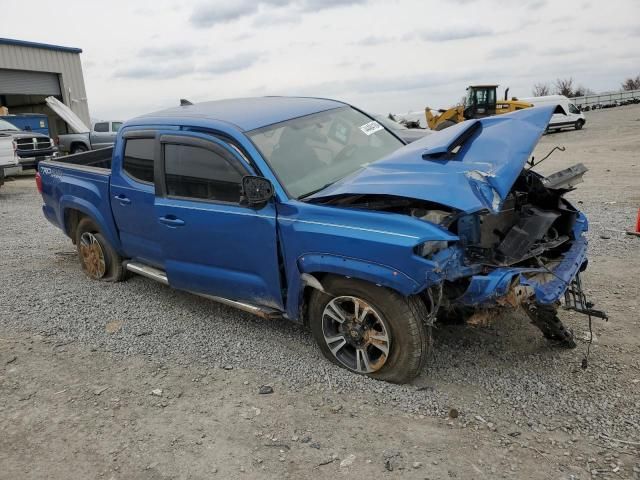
column 506, row 285
column 575, row 299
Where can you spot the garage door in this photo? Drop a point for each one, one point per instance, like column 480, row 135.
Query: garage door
column 22, row 82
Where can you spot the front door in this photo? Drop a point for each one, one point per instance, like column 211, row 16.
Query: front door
column 212, row 243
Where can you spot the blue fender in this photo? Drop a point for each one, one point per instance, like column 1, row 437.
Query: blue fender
column 321, row 263
column 106, row 225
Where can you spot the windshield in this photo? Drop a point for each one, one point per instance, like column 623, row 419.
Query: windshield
column 4, row 125
column 309, row 153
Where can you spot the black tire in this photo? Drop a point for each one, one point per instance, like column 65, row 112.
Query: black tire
column 579, row 124
column 409, row 338
column 78, row 148
column 112, row 270
column 445, row 124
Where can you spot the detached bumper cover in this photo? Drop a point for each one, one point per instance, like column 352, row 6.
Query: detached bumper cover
column 490, row 290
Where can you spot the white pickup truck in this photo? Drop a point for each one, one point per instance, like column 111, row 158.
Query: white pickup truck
column 8, row 159
column 22, row 149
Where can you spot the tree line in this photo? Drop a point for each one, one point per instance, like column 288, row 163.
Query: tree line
column 566, row 87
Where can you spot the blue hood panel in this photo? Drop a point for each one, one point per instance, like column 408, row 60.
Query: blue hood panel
column 478, row 176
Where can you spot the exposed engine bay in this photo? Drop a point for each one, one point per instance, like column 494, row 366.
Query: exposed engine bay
column 534, row 221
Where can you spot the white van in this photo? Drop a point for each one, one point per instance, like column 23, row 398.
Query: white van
column 566, row 115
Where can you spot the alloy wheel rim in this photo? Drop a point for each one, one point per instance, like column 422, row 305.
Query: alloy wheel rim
column 356, row 334
column 92, row 255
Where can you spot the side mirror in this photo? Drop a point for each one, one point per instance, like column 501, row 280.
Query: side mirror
column 256, row 190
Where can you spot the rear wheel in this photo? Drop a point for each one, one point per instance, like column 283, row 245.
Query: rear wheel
column 370, row 330
column 97, row 257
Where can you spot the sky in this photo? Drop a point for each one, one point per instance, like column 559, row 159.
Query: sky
column 380, row 55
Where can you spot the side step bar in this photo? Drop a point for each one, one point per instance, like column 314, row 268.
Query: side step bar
column 147, row 271
column 161, row 277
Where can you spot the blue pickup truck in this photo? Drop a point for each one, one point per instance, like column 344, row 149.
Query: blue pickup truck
column 311, row 210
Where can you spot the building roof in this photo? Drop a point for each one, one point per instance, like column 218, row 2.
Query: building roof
column 45, row 46
column 250, row 113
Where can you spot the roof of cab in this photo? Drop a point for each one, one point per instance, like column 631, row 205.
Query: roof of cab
column 248, row 113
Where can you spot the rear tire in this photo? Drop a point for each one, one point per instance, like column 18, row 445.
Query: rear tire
column 388, row 322
column 445, row 124
column 97, row 257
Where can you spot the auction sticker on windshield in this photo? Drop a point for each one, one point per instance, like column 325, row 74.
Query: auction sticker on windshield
column 371, row 128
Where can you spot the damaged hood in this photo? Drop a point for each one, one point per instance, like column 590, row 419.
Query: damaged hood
column 469, row 167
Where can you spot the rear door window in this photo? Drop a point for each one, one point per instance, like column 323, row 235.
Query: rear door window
column 202, row 174
column 115, row 126
column 138, row 159
column 101, row 127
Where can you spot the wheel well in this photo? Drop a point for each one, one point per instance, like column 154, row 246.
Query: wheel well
column 72, row 218
column 306, row 296
column 322, row 277
column 76, row 143
column 425, row 296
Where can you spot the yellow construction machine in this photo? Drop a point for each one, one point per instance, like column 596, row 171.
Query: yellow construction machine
column 480, row 101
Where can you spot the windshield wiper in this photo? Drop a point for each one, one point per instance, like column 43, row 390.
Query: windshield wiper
column 308, row 194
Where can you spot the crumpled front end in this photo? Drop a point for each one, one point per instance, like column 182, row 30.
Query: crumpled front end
column 528, row 254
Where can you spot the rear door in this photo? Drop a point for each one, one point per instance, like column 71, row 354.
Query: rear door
column 133, row 192
column 212, row 243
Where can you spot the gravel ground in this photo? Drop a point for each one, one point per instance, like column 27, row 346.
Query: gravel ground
column 501, row 378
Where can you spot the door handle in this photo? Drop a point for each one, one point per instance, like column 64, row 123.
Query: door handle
column 171, row 221
column 122, row 199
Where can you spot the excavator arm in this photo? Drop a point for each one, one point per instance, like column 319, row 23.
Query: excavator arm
column 444, row 118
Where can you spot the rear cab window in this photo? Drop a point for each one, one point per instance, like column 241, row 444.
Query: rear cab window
column 138, row 158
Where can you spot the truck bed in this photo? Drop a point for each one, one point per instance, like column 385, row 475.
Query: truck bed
column 79, row 182
column 94, row 158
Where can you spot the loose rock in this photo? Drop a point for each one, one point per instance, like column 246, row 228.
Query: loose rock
column 265, row 390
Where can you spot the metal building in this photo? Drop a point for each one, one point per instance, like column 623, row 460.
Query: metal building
column 30, row 72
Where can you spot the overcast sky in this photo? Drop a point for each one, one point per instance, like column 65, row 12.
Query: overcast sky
column 381, row 55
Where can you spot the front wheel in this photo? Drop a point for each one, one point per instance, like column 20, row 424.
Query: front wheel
column 370, row 330
column 579, row 125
